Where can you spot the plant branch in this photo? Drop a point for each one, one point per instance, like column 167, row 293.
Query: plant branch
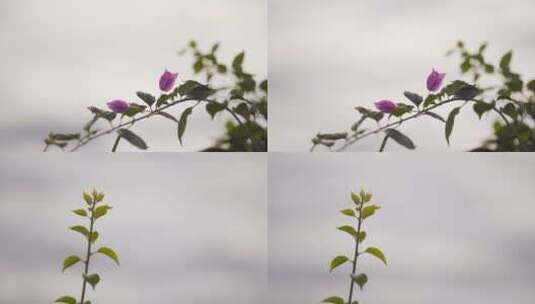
column 88, row 255
column 352, row 284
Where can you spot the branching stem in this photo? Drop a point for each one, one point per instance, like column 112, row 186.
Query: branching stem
column 352, row 284
column 88, row 254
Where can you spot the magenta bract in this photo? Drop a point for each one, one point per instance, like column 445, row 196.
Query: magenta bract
column 385, row 106
column 167, row 81
column 434, row 80
column 118, row 106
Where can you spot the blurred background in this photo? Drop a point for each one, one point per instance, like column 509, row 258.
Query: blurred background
column 185, row 232
column 60, row 56
column 326, row 59
column 455, row 228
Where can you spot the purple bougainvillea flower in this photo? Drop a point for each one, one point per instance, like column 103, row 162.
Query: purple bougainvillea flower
column 385, row 106
column 167, row 81
column 434, row 80
column 117, row 106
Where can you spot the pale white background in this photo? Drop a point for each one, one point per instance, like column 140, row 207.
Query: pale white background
column 325, row 59
column 58, row 57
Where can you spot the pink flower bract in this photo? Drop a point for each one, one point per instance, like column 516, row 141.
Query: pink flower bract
column 118, row 106
column 434, row 80
column 167, row 81
column 385, row 106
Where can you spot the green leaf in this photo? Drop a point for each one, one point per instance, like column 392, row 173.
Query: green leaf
column 414, row 98
column 356, row 198
column 450, row 122
column 182, row 123
column 80, row 229
column 366, row 197
column 376, row 252
column 348, row 229
column 109, row 253
column 264, row 86
column 400, row 138
column 337, row 261
column 435, row 116
column 80, row 212
column 361, row 237
column 167, row 115
column 482, row 107
column 88, row 199
column 94, row 237
column 146, row 97
column 133, row 138
column 510, row 110
column 66, row 300
column 70, row 261
column 101, row 211
column 361, row 279
column 214, row 107
column 243, row 110
column 238, row 61
column 453, row 87
column 531, row 85
column 401, row 109
column 133, row 109
column 467, row 92
column 333, row 300
column 92, row 279
column 429, row 100
column 506, row 60
column 348, row 212
column 369, row 211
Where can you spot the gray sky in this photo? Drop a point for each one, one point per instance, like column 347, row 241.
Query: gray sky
column 60, row 56
column 456, row 228
column 326, row 59
column 186, row 228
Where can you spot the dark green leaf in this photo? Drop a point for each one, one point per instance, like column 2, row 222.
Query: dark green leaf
column 531, row 85
column 430, row 99
column 182, row 123
column 482, row 107
column 214, row 107
column 64, row 137
column 68, row 300
column 243, row 110
column 377, row 253
column 348, row 229
column 167, row 115
column 238, row 61
column 435, row 116
column 510, row 110
column 92, row 279
column 400, row 138
column 414, row 98
column 450, row 123
column 506, row 60
column 146, row 97
column 133, row 138
column 332, row 136
column 333, row 300
column 264, row 86
column 70, row 261
column 361, row 279
column 109, row 253
column 133, row 109
column 401, row 109
column 337, row 261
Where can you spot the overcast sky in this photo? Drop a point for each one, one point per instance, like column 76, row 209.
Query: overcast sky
column 326, row 59
column 60, row 56
column 187, row 229
column 456, row 228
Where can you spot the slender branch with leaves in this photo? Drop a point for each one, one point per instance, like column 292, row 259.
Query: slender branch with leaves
column 239, row 95
column 93, row 211
column 512, row 100
column 361, row 210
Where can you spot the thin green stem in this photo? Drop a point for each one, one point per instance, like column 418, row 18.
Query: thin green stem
column 88, row 254
column 352, row 284
column 383, row 144
column 116, row 144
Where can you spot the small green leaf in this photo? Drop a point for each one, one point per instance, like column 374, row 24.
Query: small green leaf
column 531, row 85
column 109, row 253
column 88, row 199
column 243, row 110
column 146, row 97
column 429, row 100
column 400, row 138
column 80, row 212
column 450, row 122
column 482, row 107
column 369, row 211
column 377, row 253
column 94, row 237
column 70, row 261
column 435, row 116
column 92, row 279
column 361, row 279
column 182, row 123
column 506, row 60
column 101, row 211
column 337, row 261
column 80, row 229
column 348, row 212
column 214, row 107
column 366, row 197
column 133, row 138
column 66, row 300
column 356, row 198
column 133, row 109
column 238, row 61
column 361, row 237
column 264, row 86
column 333, row 300
column 414, row 98
column 348, row 229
